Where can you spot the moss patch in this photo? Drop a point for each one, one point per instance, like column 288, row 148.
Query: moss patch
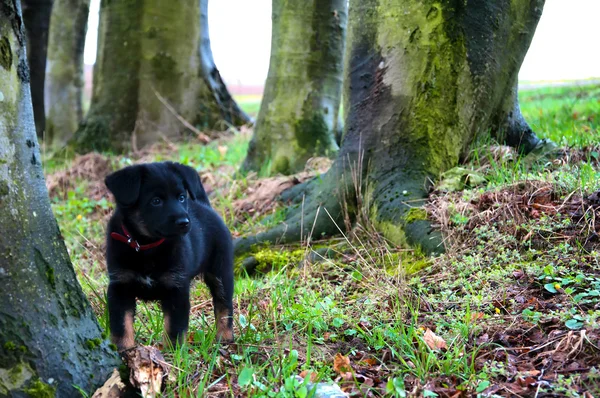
column 6, row 57
column 39, row 389
column 415, row 214
column 15, row 378
column 93, row 343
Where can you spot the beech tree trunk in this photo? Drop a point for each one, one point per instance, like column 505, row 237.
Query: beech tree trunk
column 49, row 337
column 65, row 80
column 148, row 50
column 36, row 16
column 299, row 112
column 423, row 79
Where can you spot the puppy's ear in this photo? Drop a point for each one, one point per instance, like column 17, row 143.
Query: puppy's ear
column 125, row 185
column 191, row 181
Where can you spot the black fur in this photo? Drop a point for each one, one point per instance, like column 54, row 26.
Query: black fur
column 197, row 242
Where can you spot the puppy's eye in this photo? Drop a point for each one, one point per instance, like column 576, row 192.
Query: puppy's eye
column 156, row 202
column 182, row 198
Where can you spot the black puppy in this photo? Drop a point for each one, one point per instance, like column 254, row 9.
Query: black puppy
column 162, row 234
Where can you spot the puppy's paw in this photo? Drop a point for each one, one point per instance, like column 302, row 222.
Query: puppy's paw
column 225, row 334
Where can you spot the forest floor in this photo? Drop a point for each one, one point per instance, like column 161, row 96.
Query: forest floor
column 512, row 308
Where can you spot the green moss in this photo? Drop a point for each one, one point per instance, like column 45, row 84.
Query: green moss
column 409, row 262
column 15, row 378
column 394, row 233
column 10, row 346
column 6, row 57
column 4, row 188
column 415, row 214
column 163, row 66
column 51, row 277
column 93, row 135
column 39, row 389
column 281, row 165
column 273, row 260
column 93, row 343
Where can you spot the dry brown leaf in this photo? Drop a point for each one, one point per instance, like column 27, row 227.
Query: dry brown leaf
column 341, row 364
column 434, row 341
column 476, row 316
column 113, row 388
column 309, row 373
column 370, row 361
column 262, row 194
column 147, row 369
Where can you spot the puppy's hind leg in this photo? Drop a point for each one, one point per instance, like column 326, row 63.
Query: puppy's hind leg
column 221, row 289
column 176, row 310
column 121, row 311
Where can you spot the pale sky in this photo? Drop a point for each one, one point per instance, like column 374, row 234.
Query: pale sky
column 565, row 45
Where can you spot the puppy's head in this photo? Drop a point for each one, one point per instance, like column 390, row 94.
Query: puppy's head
column 154, row 197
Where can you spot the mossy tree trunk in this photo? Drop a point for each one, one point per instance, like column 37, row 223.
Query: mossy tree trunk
column 36, row 16
column 49, row 337
column 423, row 79
column 149, row 48
column 299, row 112
column 64, row 78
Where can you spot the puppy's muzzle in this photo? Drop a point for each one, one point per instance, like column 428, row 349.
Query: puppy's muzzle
column 183, row 224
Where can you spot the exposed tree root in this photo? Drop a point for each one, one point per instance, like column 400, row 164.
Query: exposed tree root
column 394, row 206
column 511, row 127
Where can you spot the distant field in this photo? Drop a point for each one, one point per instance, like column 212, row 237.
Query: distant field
column 250, row 103
column 568, row 115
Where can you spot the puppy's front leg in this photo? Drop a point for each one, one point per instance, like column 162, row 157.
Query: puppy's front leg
column 121, row 310
column 176, row 310
column 221, row 289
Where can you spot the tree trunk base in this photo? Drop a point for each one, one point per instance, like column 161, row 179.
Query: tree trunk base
column 394, row 208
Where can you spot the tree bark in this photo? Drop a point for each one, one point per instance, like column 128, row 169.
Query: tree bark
column 36, row 16
column 146, row 50
column 49, row 337
column 65, row 80
column 299, row 112
column 423, row 79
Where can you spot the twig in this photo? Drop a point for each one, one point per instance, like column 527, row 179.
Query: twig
column 201, row 136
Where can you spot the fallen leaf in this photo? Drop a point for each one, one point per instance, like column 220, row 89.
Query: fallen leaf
column 341, row 364
column 313, row 375
column 531, row 373
column 113, row 388
column 526, row 381
column 147, row 369
column 222, row 150
column 434, row 341
column 519, row 274
column 476, row 316
column 370, row 361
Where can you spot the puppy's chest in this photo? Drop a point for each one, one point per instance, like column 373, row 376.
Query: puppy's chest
column 150, row 276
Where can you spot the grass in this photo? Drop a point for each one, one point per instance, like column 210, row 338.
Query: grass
column 517, row 274
column 569, row 116
column 249, row 103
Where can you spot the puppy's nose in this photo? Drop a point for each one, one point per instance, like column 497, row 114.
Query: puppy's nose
column 183, row 222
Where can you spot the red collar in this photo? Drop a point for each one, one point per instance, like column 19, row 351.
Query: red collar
column 132, row 242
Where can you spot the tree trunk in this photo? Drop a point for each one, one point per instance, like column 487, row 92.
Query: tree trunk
column 423, row 79
column 36, row 16
column 299, row 112
column 49, row 337
column 65, row 80
column 146, row 51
